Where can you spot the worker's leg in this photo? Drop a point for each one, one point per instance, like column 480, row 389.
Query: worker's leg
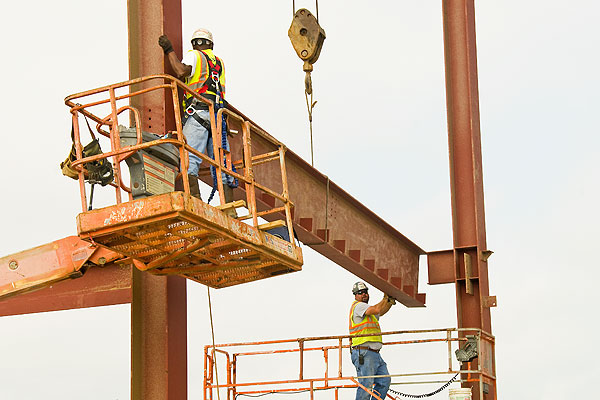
column 367, row 368
column 197, row 137
column 382, row 384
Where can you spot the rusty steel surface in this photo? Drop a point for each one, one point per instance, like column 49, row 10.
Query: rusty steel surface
column 333, row 349
column 147, row 20
column 324, row 216
column 159, row 337
column 176, row 234
column 99, row 286
column 45, row 265
column 159, row 305
column 332, row 222
column 466, row 263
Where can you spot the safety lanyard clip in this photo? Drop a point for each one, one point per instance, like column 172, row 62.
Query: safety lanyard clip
column 190, row 110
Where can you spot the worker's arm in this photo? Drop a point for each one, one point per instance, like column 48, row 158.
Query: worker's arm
column 382, row 307
column 181, row 70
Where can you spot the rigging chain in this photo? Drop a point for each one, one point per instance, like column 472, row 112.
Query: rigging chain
column 421, row 396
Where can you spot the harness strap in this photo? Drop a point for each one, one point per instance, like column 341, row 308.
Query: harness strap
column 202, row 122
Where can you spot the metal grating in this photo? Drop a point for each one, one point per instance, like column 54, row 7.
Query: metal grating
column 174, row 234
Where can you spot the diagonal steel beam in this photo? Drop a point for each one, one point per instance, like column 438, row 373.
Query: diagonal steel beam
column 334, row 223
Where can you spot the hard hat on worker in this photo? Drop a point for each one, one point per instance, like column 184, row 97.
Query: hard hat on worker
column 358, row 286
column 202, row 34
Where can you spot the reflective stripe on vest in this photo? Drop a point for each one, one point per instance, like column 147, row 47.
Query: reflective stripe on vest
column 368, row 325
column 208, row 69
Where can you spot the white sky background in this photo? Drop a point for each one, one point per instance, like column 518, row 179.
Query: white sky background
column 381, row 97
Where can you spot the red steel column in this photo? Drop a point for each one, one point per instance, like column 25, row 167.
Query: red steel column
column 468, row 217
column 158, row 307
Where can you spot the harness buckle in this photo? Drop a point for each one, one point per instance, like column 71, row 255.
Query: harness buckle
column 190, row 110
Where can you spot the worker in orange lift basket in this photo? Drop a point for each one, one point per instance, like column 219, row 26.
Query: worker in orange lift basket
column 205, row 73
column 364, row 320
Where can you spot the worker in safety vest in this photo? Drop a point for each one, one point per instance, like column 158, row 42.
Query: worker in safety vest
column 364, row 320
column 205, row 73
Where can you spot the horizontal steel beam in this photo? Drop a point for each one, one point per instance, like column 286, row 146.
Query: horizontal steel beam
column 99, row 286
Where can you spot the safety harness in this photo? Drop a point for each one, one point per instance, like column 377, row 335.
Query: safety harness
column 206, row 82
column 211, row 87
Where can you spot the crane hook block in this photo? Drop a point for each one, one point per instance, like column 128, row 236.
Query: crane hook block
column 307, row 37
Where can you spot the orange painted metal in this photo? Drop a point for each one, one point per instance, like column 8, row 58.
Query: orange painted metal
column 176, row 234
column 261, row 355
column 316, row 209
column 48, row 264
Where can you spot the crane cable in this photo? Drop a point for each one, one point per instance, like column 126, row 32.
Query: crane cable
column 294, row 8
column 214, row 353
column 308, row 90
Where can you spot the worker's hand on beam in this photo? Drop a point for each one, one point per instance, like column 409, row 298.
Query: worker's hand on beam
column 390, row 299
column 165, row 43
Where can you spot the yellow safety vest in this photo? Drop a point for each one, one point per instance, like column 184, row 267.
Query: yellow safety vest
column 369, row 324
column 207, row 68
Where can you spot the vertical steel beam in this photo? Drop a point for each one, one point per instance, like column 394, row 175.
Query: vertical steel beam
column 158, row 307
column 466, row 180
column 158, row 337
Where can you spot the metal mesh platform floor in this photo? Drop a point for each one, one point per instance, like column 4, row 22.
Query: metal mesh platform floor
column 175, row 234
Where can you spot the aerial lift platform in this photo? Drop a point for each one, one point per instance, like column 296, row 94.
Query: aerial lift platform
column 324, row 217
column 161, row 231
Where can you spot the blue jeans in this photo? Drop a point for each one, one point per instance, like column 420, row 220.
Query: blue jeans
column 199, row 138
column 373, row 365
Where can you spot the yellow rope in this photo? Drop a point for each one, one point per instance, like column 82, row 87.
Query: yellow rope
column 309, row 105
column 214, row 354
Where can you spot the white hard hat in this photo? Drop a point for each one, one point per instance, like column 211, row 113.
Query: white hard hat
column 202, row 34
column 358, row 286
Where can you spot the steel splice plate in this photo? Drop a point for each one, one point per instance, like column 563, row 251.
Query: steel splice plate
column 176, row 234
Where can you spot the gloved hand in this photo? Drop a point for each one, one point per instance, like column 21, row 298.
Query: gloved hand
column 165, row 43
column 390, row 299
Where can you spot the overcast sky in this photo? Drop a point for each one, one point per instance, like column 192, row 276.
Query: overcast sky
column 381, row 97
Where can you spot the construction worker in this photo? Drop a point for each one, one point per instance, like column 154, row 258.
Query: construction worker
column 364, row 320
column 205, row 73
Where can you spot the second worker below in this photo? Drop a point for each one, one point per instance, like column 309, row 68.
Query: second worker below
column 364, row 320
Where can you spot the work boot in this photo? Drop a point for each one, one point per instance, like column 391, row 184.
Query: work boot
column 228, row 193
column 194, row 185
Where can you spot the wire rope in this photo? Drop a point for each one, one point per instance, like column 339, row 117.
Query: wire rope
column 212, row 329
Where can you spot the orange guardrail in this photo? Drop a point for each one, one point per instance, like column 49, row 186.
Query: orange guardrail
column 85, row 103
column 241, row 381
